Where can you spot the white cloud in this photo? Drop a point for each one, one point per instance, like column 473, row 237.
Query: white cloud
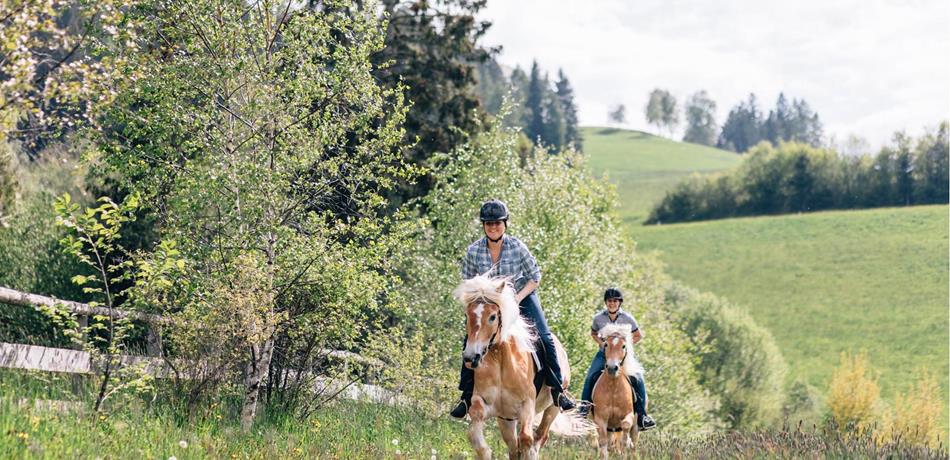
column 867, row 67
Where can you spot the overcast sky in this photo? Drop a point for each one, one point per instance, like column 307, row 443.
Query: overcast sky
column 868, row 67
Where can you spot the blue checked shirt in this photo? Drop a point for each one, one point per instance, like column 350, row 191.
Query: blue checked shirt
column 515, row 261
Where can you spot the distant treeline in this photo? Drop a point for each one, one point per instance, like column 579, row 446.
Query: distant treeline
column 546, row 112
column 796, row 177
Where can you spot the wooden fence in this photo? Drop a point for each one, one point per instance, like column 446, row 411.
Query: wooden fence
column 32, row 357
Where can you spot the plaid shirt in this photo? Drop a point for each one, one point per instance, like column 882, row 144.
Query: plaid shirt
column 515, row 261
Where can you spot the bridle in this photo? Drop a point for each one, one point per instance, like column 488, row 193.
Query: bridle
column 491, row 341
column 625, row 351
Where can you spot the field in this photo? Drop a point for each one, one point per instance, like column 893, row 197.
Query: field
column 644, row 167
column 823, row 283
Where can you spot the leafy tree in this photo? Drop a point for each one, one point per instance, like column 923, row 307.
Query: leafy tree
column 931, row 166
column 430, row 53
column 701, row 125
column 618, row 114
column 51, row 81
column 264, row 144
column 565, row 94
column 661, row 110
column 742, row 128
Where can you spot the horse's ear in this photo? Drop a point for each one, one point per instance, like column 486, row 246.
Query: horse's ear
column 501, row 286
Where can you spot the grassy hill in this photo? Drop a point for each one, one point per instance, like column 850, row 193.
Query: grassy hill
column 823, row 283
column 644, row 166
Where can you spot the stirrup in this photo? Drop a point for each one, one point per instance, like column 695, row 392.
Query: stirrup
column 564, row 402
column 461, row 409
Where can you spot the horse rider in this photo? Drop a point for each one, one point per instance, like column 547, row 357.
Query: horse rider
column 614, row 314
column 505, row 255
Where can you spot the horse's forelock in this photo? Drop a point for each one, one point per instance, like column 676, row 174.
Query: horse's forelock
column 512, row 324
column 631, row 365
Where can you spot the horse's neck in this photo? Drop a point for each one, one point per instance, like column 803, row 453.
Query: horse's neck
column 507, row 356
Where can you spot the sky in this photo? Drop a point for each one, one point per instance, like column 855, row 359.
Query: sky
column 868, row 67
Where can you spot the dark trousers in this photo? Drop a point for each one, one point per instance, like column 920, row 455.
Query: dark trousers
column 596, row 367
column 531, row 310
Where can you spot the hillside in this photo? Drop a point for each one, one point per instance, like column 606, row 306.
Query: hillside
column 823, row 283
column 644, row 166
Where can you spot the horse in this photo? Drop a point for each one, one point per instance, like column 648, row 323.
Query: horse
column 613, row 412
column 499, row 348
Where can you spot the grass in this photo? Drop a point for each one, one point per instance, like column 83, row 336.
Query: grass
column 644, row 167
column 346, row 430
column 873, row 280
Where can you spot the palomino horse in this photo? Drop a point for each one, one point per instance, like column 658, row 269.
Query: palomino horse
column 499, row 348
column 613, row 412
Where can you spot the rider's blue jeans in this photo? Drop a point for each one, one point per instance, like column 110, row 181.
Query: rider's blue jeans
column 531, row 310
column 596, row 367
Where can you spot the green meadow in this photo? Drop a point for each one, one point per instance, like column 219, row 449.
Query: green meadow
column 644, row 166
column 830, row 282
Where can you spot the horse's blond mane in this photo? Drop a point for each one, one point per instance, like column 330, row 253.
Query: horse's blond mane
column 631, row 365
column 512, row 324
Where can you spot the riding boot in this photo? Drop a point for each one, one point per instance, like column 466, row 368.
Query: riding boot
column 562, row 399
column 462, row 407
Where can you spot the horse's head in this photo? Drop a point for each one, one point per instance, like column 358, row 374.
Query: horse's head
column 483, row 324
column 616, row 342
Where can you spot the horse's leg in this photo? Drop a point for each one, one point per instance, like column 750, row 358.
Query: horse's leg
column 544, row 429
column 622, row 437
column 633, row 438
column 509, row 432
column 603, row 438
column 476, row 431
column 526, row 446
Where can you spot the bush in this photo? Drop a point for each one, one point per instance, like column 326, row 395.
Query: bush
column 917, row 413
column 567, row 219
column 853, row 394
column 738, row 360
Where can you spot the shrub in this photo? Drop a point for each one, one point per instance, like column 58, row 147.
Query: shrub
column 917, row 413
column 738, row 360
column 853, row 394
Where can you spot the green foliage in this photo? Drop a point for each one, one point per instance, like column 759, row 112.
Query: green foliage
column 566, row 219
column 738, row 360
column 264, row 146
column 430, row 53
column 854, row 395
column 661, row 110
column 701, row 125
column 795, row 177
column 746, row 126
column 870, row 280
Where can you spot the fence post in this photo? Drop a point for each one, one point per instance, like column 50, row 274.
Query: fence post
column 153, row 342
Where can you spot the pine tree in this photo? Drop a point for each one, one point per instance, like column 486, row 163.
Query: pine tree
column 430, row 50
column 553, row 134
column 743, row 127
column 534, row 104
column 565, row 94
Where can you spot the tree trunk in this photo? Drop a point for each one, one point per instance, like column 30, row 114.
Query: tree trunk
column 257, row 367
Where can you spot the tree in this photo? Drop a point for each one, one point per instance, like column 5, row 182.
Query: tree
column 534, row 104
column 429, row 54
column 618, row 114
column 50, row 81
column 661, row 110
column 701, row 119
column 565, row 94
column 742, row 128
column 555, row 129
column 262, row 141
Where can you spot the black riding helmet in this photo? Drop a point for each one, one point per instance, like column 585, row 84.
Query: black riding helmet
column 494, row 210
column 613, row 293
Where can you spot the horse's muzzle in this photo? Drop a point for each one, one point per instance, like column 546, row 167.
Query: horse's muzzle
column 612, row 370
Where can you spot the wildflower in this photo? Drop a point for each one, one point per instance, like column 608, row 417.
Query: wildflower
column 395, row 442
column 183, row 444
column 173, row 458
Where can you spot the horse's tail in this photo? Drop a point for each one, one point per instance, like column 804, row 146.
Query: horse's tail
column 572, row 424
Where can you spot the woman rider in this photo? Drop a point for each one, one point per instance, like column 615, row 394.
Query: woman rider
column 504, row 255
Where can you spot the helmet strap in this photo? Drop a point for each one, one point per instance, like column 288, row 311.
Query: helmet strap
column 495, row 241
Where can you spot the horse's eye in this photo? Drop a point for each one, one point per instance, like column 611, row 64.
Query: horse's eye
column 491, row 319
